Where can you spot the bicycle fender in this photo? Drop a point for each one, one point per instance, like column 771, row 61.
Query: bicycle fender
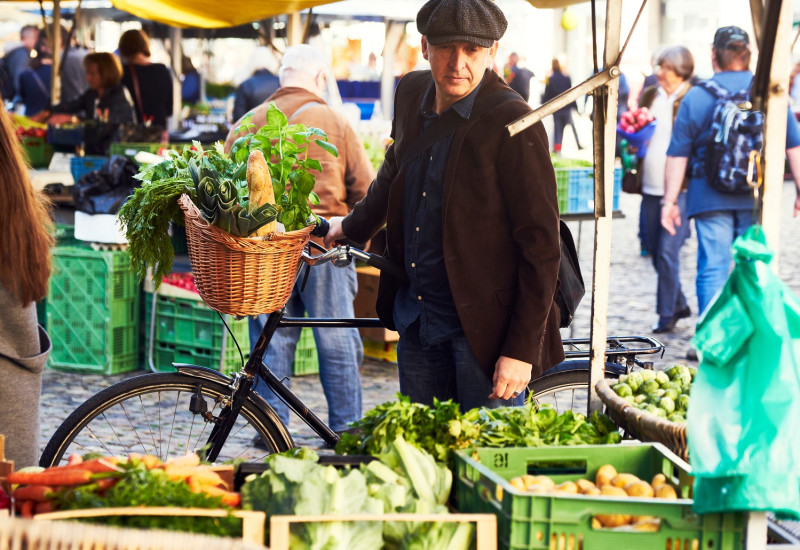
column 202, row 372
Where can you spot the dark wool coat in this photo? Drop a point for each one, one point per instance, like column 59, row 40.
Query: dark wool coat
column 500, row 226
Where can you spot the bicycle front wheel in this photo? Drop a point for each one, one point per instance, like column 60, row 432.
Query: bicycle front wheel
column 152, row 414
column 566, row 386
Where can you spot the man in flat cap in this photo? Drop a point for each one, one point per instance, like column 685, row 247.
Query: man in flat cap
column 718, row 217
column 472, row 215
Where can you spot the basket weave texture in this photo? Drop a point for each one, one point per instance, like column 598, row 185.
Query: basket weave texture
column 641, row 424
column 237, row 275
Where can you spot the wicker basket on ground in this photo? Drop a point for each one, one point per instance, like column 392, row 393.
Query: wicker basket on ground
column 239, row 275
column 641, row 424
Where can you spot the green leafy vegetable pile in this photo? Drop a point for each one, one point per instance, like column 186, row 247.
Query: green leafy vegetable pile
column 139, row 486
column 442, row 429
column 404, row 479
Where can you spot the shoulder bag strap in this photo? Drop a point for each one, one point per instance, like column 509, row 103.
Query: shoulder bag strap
column 137, row 93
column 40, row 83
column 303, row 107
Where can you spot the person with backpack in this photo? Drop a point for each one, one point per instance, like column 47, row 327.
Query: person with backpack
column 712, row 138
column 471, row 214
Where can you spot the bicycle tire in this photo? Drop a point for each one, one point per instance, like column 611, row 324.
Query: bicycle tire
column 568, row 381
column 115, row 422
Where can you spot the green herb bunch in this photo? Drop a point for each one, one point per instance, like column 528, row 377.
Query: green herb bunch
column 285, row 147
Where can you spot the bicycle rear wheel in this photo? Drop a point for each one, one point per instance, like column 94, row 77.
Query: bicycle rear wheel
column 566, row 386
column 151, row 414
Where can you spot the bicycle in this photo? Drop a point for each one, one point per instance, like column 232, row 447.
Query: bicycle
column 158, row 413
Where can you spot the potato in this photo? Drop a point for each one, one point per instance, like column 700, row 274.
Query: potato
column 517, row 483
column 537, row 489
column 529, row 480
column 596, row 523
column 639, row 489
column 545, row 482
column 604, row 475
column 613, row 520
column 584, row 485
column 666, row 491
column 611, row 491
column 647, row 525
column 621, row 480
column 591, row 491
column 568, row 487
column 658, row 479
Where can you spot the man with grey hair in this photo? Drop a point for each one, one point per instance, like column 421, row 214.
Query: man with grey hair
column 18, row 59
column 471, row 214
column 329, row 290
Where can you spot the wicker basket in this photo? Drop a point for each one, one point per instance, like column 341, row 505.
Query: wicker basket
column 641, row 424
column 241, row 276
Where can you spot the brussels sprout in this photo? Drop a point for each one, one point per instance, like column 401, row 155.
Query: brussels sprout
column 640, row 398
column 654, row 399
column 672, row 393
column 635, row 381
column 685, row 379
column 629, row 399
column 648, row 375
column 662, row 378
column 650, row 386
column 623, row 379
column 660, row 392
column 682, row 402
column 660, row 412
column 623, row 390
column 692, row 372
column 676, row 417
column 651, row 408
column 673, row 370
column 667, row 404
column 673, row 385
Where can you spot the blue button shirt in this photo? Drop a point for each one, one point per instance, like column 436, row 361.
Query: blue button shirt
column 690, row 134
column 427, row 295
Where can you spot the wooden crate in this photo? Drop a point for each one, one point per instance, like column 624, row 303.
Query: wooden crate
column 252, row 522
column 485, row 532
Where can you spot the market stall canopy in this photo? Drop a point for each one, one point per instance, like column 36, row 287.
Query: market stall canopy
column 552, row 4
column 211, row 14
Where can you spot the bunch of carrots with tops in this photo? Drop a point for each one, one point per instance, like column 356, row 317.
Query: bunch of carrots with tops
column 37, row 490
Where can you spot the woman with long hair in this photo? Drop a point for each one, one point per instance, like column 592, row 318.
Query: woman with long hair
column 25, row 242
column 557, row 83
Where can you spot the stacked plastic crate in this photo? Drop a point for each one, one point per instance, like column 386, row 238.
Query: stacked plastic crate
column 188, row 331
column 93, row 311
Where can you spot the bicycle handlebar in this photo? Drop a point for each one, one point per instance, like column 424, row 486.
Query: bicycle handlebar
column 343, row 254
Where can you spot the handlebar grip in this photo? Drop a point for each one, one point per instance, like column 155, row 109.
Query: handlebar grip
column 321, row 229
column 387, row 266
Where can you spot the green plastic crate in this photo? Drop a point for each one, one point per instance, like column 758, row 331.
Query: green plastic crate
column 188, row 331
column 536, row 521
column 305, row 356
column 37, row 150
column 65, row 236
column 93, row 311
column 165, row 354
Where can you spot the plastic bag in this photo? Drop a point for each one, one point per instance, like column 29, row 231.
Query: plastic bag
column 104, row 191
column 743, row 429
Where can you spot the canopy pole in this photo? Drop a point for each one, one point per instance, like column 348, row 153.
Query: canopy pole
column 55, row 81
column 395, row 30
column 777, row 102
column 176, row 55
column 294, row 29
column 605, row 125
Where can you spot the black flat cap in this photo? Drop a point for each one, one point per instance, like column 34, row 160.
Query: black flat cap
column 479, row 22
column 726, row 37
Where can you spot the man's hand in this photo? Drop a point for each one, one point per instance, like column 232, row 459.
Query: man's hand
column 335, row 232
column 670, row 217
column 511, row 377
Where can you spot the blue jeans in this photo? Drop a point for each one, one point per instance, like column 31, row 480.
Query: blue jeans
column 446, row 370
column 329, row 292
column 716, row 232
column 665, row 250
column 560, row 121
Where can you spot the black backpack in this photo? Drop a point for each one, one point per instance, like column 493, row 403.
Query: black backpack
column 736, row 131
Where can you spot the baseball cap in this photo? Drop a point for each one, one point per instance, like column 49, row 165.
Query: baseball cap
column 726, row 37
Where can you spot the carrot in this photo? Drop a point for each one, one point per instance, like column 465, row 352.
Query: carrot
column 96, row 465
column 52, row 476
column 202, row 478
column 229, row 498
column 176, row 473
column 43, row 507
column 26, row 508
column 36, row 493
column 190, row 459
column 150, row 461
column 107, row 483
column 74, row 458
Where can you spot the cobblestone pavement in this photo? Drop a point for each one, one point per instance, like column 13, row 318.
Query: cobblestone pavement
column 631, row 312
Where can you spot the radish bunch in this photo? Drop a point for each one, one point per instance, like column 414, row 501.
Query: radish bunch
column 632, row 121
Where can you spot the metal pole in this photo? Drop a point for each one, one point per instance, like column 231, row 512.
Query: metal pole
column 55, row 83
column 176, row 51
column 775, row 131
column 394, row 34
column 605, row 124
